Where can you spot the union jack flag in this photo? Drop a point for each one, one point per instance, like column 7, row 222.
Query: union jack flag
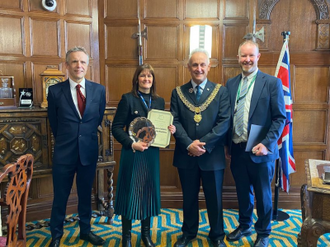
column 288, row 164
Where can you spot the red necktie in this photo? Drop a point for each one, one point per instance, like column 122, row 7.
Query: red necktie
column 81, row 100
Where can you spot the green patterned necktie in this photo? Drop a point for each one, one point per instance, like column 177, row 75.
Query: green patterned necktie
column 239, row 123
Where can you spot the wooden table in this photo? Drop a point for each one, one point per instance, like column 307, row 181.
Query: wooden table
column 315, row 204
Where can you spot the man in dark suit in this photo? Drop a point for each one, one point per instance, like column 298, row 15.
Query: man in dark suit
column 256, row 99
column 201, row 114
column 75, row 110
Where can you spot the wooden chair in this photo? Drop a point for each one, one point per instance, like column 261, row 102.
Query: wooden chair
column 17, row 177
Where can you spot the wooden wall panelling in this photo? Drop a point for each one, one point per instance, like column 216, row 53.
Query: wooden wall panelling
column 13, row 4
column 162, row 9
column 236, row 9
column 119, row 81
column 119, row 44
column 11, row 35
column 124, row 9
column 202, row 9
column 84, row 8
column 45, row 37
column 163, row 43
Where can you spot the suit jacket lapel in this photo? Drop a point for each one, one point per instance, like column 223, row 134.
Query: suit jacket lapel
column 67, row 93
column 258, row 86
column 233, row 96
column 206, row 92
column 188, row 92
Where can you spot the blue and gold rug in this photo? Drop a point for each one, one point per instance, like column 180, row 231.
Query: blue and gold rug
column 166, row 228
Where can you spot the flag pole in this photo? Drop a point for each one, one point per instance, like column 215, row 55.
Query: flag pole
column 279, row 215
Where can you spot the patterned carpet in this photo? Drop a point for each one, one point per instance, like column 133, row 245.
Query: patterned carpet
column 167, row 227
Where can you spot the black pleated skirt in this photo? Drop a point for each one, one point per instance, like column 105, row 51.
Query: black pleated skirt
column 138, row 188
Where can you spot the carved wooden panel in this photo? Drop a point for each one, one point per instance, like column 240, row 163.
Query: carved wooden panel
column 233, row 36
column 119, row 81
column 303, row 126
column 18, row 137
column 166, row 81
column 311, row 84
column 236, row 8
column 229, row 72
column 166, row 167
column 11, row 35
column 45, row 38
column 83, row 8
column 285, row 20
column 201, row 9
column 323, row 36
column 13, row 4
column 119, row 44
column 160, row 8
column 79, row 34
column 120, row 10
column 162, row 42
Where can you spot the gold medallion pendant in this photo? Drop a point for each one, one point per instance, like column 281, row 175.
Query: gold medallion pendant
column 197, row 109
column 198, row 117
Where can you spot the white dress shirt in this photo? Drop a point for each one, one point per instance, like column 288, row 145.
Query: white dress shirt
column 73, row 85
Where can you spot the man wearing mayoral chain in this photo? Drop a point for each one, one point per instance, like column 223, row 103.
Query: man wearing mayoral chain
column 201, row 111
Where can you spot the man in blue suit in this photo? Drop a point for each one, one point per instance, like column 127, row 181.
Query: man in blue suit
column 256, row 99
column 201, row 114
column 75, row 110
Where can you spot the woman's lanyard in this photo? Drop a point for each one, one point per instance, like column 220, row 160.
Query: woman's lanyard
column 144, row 101
column 238, row 97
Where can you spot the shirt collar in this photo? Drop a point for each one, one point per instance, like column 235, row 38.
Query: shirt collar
column 73, row 84
column 250, row 76
column 202, row 85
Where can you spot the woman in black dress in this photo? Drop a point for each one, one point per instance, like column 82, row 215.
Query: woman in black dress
column 138, row 186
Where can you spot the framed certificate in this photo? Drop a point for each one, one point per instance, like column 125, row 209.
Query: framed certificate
column 161, row 120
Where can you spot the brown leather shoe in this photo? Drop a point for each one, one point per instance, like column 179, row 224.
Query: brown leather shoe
column 92, row 238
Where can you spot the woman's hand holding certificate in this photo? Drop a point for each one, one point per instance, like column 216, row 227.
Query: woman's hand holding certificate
column 161, row 120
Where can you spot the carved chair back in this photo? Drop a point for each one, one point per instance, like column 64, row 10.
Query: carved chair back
column 17, row 177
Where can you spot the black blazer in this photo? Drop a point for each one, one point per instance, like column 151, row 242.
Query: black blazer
column 212, row 129
column 128, row 109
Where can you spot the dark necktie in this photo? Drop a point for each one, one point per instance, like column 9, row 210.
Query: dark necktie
column 81, row 100
column 198, row 93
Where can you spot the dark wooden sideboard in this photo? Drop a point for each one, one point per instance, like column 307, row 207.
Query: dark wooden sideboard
column 27, row 131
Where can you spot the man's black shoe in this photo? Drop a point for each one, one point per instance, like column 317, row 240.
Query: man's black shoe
column 55, row 243
column 183, row 241
column 218, row 243
column 239, row 233
column 92, row 238
column 261, row 242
